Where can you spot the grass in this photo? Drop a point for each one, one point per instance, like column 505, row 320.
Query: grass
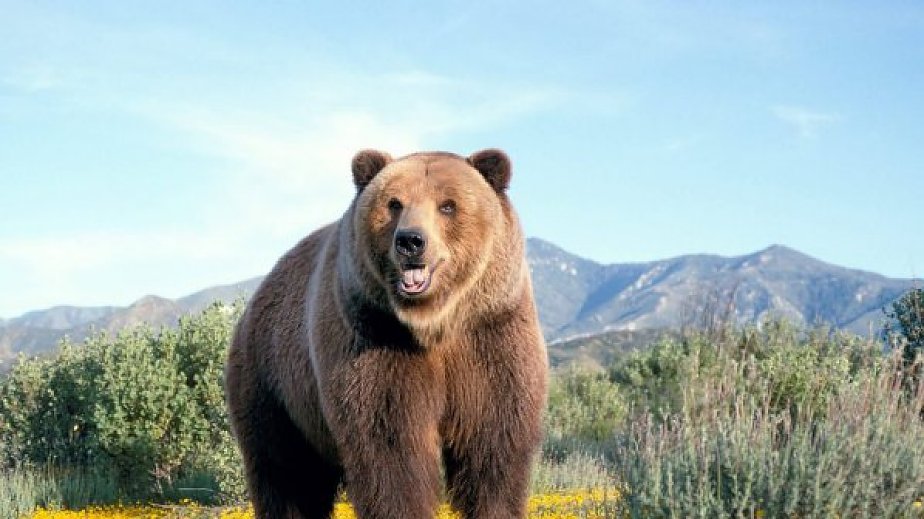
column 578, row 470
column 24, row 490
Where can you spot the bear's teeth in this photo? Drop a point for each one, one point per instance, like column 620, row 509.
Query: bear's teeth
column 419, row 275
column 408, row 277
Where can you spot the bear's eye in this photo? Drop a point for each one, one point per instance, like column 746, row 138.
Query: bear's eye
column 395, row 205
column 448, row 207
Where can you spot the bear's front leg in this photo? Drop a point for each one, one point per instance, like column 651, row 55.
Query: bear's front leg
column 383, row 407
column 488, row 477
column 493, row 433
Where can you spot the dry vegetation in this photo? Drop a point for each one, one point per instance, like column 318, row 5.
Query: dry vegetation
column 766, row 421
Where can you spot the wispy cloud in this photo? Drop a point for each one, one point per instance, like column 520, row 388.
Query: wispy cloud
column 32, row 79
column 290, row 167
column 683, row 143
column 65, row 254
column 273, row 128
column 807, row 123
column 65, row 267
column 284, row 171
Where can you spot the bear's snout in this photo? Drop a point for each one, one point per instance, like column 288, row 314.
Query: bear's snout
column 410, row 243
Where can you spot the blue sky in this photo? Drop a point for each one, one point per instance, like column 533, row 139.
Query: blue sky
column 162, row 147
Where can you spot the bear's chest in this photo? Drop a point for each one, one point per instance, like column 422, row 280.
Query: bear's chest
column 478, row 386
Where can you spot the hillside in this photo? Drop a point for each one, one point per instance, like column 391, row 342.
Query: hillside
column 39, row 331
column 576, row 297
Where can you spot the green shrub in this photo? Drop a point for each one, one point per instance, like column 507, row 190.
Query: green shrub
column 145, row 408
column 907, row 316
column 144, row 415
column 202, row 348
column 905, row 332
column 584, row 409
column 802, row 425
column 772, row 418
column 655, row 379
column 46, row 409
column 791, row 367
column 801, row 371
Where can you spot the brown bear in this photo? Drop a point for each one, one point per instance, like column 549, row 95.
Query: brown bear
column 397, row 340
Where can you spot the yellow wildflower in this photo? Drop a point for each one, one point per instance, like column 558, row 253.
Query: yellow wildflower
column 584, row 504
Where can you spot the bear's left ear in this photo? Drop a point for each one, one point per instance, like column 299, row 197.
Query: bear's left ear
column 494, row 166
column 366, row 165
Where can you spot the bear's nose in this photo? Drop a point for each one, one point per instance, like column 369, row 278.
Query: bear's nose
column 410, row 242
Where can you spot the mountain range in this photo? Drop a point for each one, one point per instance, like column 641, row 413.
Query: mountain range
column 575, row 297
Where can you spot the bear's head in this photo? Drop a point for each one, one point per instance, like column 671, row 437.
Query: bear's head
column 428, row 226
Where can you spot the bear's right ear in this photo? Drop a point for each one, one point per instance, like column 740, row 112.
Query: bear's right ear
column 366, row 165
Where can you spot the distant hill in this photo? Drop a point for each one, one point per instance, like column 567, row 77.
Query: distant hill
column 40, row 331
column 576, row 297
column 61, row 317
column 601, row 350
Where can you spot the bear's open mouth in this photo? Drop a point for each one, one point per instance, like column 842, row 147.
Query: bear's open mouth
column 415, row 279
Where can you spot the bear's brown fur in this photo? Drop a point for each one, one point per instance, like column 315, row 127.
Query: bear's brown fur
column 400, row 337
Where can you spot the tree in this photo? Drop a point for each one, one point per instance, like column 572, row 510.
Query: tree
column 907, row 318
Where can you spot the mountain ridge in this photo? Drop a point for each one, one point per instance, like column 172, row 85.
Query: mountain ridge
column 575, row 297
column 776, row 280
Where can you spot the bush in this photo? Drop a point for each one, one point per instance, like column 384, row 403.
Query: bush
column 860, row 457
column 772, row 418
column 776, row 420
column 905, row 329
column 147, row 408
column 778, row 361
column 47, row 410
column 655, row 379
column 584, row 409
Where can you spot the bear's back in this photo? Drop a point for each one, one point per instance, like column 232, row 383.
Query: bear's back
column 269, row 338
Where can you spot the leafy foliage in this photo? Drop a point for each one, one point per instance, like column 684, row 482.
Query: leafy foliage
column 788, row 366
column 583, row 410
column 907, row 315
column 774, row 419
column 145, row 408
